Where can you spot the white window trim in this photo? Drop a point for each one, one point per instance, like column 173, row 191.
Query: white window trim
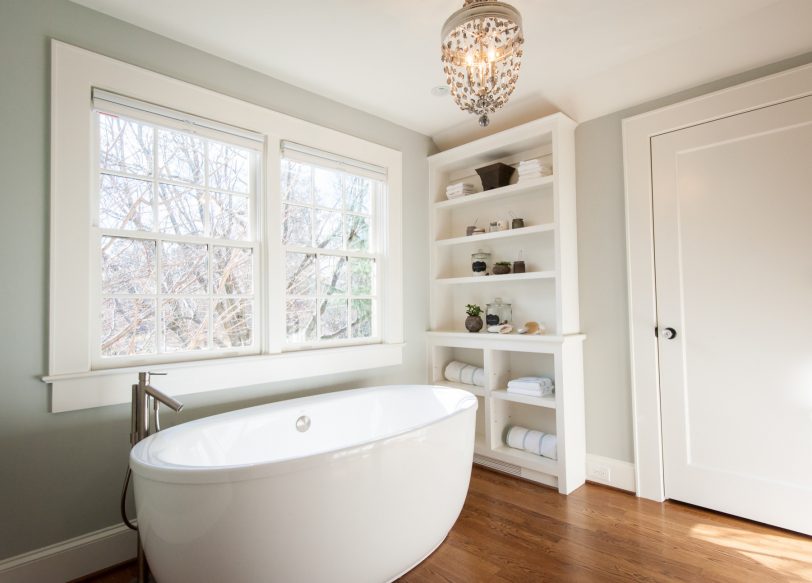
column 75, row 385
column 637, row 134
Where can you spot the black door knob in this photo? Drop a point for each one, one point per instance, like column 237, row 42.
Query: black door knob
column 669, row 333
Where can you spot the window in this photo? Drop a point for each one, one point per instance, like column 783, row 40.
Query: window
column 330, row 220
column 177, row 241
column 185, row 238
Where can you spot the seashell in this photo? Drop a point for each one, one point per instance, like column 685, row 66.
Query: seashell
column 530, row 328
column 505, row 329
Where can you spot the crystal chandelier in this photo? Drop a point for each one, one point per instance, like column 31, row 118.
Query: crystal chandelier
column 482, row 53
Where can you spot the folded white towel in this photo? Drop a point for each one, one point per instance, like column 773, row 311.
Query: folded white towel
column 535, row 380
column 536, row 442
column 532, row 391
column 461, row 187
column 460, row 372
column 533, row 386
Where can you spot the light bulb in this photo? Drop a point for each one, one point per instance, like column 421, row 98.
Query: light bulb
column 491, row 54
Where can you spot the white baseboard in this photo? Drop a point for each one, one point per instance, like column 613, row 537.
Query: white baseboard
column 610, row 472
column 71, row 558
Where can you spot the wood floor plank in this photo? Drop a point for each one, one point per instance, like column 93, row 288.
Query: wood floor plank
column 514, row 531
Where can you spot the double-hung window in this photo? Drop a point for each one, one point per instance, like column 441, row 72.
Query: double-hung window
column 331, row 235
column 177, row 240
column 210, row 238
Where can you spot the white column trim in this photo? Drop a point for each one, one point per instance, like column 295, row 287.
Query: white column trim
column 637, row 134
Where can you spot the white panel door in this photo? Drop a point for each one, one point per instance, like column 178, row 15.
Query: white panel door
column 733, row 253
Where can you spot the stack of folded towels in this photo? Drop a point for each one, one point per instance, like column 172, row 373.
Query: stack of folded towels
column 459, row 189
column 543, row 444
column 529, row 169
column 459, row 372
column 532, row 386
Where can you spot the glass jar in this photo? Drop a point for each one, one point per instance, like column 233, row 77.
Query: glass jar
column 498, row 312
column 480, row 261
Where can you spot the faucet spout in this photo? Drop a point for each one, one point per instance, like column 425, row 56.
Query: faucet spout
column 159, row 395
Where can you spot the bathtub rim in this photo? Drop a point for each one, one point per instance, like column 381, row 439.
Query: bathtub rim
column 169, row 473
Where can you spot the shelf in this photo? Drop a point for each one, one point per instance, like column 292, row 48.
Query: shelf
column 518, row 338
column 525, row 459
column 502, row 394
column 497, row 278
column 476, row 390
column 524, row 231
column 550, row 294
column 496, row 193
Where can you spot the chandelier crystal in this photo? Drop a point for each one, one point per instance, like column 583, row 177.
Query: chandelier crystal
column 481, row 54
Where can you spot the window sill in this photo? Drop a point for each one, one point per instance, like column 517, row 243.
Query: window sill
column 72, row 392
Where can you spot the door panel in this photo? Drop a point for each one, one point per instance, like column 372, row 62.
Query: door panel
column 733, row 252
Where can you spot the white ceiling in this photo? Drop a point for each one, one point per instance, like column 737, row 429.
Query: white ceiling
column 584, row 57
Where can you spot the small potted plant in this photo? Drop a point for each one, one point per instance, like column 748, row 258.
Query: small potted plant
column 473, row 323
column 501, row 268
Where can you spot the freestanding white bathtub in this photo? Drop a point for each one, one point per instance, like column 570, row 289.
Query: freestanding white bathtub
column 355, row 486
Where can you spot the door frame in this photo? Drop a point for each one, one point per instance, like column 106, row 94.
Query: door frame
column 637, row 134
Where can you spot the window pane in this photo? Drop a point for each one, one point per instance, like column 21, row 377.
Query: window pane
column 229, row 216
column 301, row 320
column 332, row 275
column 228, row 167
column 328, row 230
column 300, row 274
column 297, row 228
column 181, row 210
column 185, row 324
column 361, row 318
column 184, row 267
column 327, row 186
column 232, row 270
column 128, row 266
column 357, row 194
column 127, row 327
column 124, row 145
column 357, row 232
column 362, row 276
column 233, row 323
column 181, row 157
column 296, row 185
column 333, row 319
column 125, row 203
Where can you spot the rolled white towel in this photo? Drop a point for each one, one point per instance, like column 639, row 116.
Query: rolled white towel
column 460, row 372
column 549, row 446
column 515, row 437
column 535, row 442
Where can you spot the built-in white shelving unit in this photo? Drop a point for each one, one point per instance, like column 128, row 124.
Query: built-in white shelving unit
column 546, row 293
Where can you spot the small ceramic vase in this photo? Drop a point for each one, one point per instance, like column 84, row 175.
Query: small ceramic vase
column 473, row 323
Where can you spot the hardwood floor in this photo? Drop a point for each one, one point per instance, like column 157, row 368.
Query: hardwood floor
column 518, row 532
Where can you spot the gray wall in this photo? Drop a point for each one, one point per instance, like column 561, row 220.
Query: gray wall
column 61, row 474
column 602, row 266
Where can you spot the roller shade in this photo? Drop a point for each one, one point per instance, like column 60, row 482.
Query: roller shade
column 115, row 103
column 308, row 155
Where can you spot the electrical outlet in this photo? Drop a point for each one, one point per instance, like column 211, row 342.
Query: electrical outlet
column 602, row 473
